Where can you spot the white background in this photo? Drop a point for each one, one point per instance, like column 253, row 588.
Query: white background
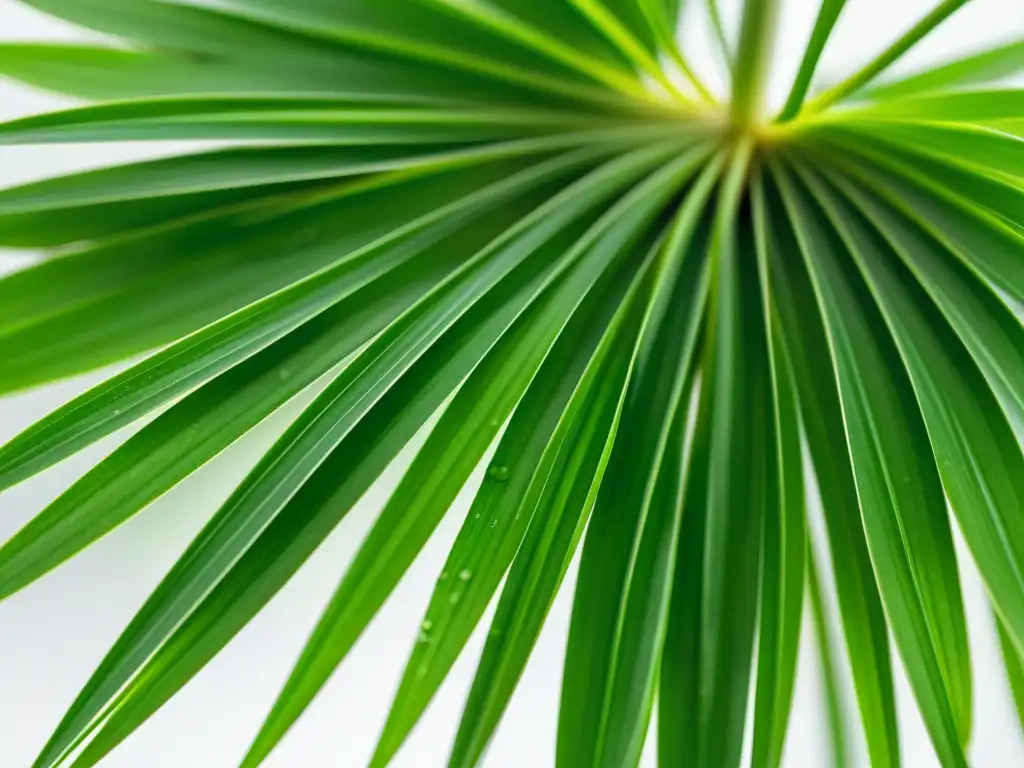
column 53, row 634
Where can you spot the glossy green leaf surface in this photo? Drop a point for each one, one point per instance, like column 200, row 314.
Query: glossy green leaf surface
column 652, row 323
column 898, row 489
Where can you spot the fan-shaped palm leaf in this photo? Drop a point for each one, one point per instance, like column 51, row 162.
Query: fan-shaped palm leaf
column 643, row 299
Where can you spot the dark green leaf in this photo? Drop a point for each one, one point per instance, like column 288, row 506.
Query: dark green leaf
column 422, row 345
column 582, row 442
column 742, row 476
column 217, row 348
column 625, row 581
column 194, row 430
column 784, row 542
column 897, row 483
column 487, row 544
column 864, row 624
column 975, row 449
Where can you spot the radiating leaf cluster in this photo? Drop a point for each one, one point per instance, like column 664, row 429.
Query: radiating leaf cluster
column 645, row 305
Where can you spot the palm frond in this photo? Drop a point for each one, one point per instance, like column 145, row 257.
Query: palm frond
column 531, row 229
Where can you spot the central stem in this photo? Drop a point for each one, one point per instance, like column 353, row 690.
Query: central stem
column 753, row 57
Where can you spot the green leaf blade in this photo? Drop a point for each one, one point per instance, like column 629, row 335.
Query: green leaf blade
column 900, row 496
column 860, row 607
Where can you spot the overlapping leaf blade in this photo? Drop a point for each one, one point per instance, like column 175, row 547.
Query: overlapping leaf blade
column 864, row 624
column 508, row 206
column 784, row 543
column 985, row 66
column 898, row 487
column 334, row 419
column 205, row 422
column 201, row 356
column 625, row 575
column 976, row 450
column 741, row 463
column 562, row 513
column 484, row 552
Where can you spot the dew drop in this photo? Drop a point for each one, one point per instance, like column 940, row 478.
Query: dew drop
column 454, row 598
column 494, row 523
column 465, row 574
column 498, row 472
column 443, row 576
column 422, row 671
column 427, row 625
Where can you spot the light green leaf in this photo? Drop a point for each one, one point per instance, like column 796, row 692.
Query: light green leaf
column 1014, row 667
column 987, row 246
column 298, row 121
column 958, row 107
column 992, row 195
column 997, row 154
column 867, row 74
column 207, row 172
column 625, row 26
column 752, row 63
column 554, row 30
column 828, row 15
column 983, row 67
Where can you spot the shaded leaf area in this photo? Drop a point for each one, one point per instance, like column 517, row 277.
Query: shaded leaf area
column 670, row 324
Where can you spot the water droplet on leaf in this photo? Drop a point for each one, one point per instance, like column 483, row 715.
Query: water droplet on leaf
column 498, row 472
